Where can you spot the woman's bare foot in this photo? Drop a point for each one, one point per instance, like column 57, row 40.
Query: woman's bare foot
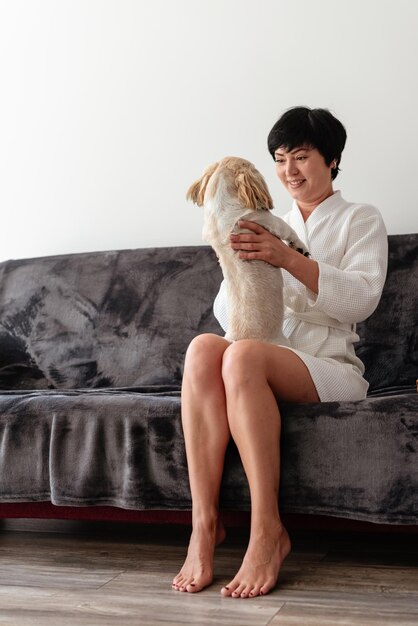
column 197, row 571
column 260, row 568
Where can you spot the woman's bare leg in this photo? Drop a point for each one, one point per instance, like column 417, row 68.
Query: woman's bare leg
column 206, row 434
column 256, row 375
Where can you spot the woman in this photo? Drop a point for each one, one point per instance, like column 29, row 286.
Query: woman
column 234, row 389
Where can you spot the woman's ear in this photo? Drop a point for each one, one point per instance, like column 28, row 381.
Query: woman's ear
column 252, row 189
column 196, row 192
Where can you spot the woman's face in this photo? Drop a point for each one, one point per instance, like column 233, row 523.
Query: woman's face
column 305, row 174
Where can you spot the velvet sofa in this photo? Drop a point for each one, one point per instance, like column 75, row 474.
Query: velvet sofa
column 91, row 356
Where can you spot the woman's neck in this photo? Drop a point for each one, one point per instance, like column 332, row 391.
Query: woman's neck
column 307, row 208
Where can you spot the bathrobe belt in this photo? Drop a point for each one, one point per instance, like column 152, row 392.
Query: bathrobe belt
column 292, row 318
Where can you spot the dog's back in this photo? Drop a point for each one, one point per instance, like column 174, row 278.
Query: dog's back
column 255, row 299
column 230, row 190
column 254, row 292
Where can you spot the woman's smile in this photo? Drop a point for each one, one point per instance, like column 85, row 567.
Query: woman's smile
column 295, row 184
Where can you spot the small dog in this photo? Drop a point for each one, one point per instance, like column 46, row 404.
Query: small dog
column 230, row 190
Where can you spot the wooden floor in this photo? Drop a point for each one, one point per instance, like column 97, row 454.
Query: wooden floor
column 54, row 573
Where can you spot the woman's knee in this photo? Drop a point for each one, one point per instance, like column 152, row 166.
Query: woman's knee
column 204, row 355
column 242, row 362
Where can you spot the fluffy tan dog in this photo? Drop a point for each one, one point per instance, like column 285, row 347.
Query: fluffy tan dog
column 230, row 190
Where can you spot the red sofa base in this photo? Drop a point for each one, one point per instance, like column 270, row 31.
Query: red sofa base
column 47, row 510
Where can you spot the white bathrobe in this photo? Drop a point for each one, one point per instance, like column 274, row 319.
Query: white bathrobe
column 349, row 242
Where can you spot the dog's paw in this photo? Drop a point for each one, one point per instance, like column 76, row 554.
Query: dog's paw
column 303, row 251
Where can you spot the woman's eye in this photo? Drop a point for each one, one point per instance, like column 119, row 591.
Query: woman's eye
column 279, row 160
column 301, row 158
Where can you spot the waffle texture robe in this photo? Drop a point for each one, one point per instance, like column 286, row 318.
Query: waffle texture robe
column 349, row 242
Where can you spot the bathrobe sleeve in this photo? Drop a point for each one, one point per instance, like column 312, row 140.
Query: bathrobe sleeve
column 350, row 292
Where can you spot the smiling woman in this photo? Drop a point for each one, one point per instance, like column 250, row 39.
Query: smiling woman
column 306, row 145
column 234, row 389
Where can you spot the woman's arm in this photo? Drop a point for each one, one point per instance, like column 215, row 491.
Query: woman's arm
column 349, row 292
column 263, row 246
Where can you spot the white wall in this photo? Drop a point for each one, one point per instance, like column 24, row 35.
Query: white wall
column 109, row 109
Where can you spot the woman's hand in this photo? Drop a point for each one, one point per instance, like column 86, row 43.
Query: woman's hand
column 261, row 245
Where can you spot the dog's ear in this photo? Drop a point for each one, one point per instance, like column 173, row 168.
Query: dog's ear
column 252, row 189
column 196, row 192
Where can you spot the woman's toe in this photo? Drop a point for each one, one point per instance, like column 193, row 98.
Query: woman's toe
column 238, row 591
column 266, row 588
column 178, row 583
column 246, row 592
column 230, row 589
column 183, row 586
column 255, row 591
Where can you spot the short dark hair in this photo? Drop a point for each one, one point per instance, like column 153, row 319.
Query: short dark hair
column 317, row 128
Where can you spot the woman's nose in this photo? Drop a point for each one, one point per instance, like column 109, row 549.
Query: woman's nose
column 291, row 167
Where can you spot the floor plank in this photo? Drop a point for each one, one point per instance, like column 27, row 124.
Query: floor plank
column 89, row 574
column 328, row 615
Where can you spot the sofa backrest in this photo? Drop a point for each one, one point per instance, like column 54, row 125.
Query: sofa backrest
column 125, row 318
column 104, row 319
column 388, row 343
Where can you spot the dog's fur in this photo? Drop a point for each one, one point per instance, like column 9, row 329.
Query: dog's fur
column 230, row 190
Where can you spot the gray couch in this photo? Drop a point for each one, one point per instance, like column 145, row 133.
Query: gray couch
column 91, row 355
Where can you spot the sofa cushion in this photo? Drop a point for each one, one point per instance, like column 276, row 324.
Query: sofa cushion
column 125, row 448
column 108, row 319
